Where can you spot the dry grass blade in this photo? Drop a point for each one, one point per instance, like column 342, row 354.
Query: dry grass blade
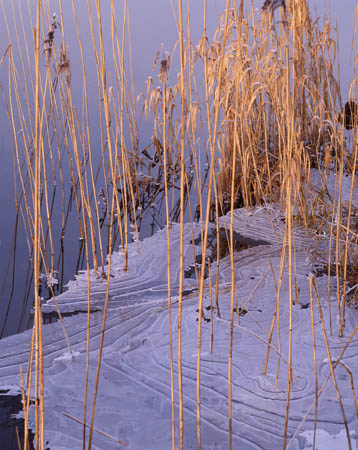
column 182, row 194
column 39, row 373
column 322, row 388
column 314, row 362
column 96, row 430
column 332, row 367
column 5, row 53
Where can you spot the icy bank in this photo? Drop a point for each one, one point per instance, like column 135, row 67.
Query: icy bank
column 133, row 403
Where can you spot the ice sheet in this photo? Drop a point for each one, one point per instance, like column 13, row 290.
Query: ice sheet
column 133, row 402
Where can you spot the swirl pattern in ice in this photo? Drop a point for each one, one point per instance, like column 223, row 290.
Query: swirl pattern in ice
column 133, row 403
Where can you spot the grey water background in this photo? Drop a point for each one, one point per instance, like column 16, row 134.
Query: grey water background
column 152, row 26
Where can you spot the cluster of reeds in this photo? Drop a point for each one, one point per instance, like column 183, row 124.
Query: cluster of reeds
column 269, row 114
column 266, row 115
column 53, row 152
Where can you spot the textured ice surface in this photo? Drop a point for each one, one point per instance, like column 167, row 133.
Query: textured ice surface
column 133, row 403
column 327, row 441
column 146, row 277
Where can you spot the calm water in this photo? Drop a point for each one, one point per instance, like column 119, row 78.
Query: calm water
column 152, row 24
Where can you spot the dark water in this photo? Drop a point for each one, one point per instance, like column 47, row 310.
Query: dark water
column 152, row 26
column 11, row 428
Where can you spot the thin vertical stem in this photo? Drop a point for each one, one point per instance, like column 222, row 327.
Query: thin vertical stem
column 332, row 367
column 168, row 226
column 182, row 194
column 315, row 364
column 37, row 227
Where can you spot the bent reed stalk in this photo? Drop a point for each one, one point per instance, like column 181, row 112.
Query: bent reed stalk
column 267, row 115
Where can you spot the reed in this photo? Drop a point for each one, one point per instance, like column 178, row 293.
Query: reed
column 314, row 362
column 164, row 68
column 332, row 367
column 267, row 116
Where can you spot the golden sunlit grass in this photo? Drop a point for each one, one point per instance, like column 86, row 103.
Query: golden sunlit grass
column 267, row 113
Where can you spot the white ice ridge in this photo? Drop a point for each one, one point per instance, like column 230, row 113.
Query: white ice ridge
column 133, row 403
column 145, row 278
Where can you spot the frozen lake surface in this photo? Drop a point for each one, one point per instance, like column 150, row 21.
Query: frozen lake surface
column 133, row 404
